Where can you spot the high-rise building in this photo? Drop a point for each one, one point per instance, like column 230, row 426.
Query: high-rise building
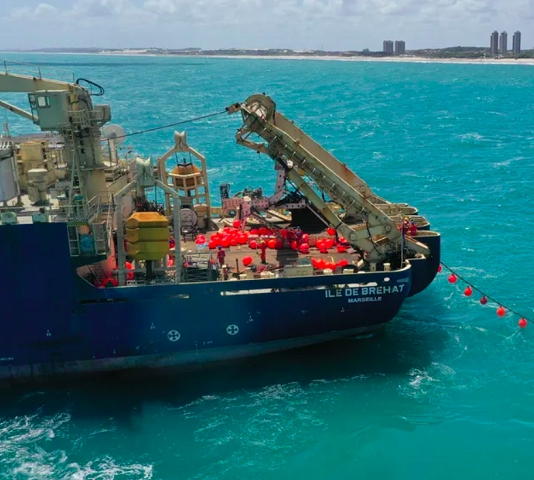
column 400, row 47
column 494, row 43
column 388, row 46
column 516, row 42
column 503, row 43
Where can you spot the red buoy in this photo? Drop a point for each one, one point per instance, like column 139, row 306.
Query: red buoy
column 253, row 244
column 483, row 300
column 453, row 278
column 331, row 231
column 247, row 261
column 216, row 239
column 439, row 268
column 501, row 312
column 468, row 292
column 110, row 282
column 236, row 223
column 129, row 275
column 522, row 322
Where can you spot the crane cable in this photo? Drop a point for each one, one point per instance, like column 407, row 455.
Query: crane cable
column 172, row 124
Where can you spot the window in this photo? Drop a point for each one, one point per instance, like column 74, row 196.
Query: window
column 43, row 102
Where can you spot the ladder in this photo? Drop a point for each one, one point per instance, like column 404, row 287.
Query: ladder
column 97, row 271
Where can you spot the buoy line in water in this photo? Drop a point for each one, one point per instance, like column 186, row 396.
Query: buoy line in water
column 468, row 292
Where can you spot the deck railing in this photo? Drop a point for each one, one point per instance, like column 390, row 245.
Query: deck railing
column 97, row 214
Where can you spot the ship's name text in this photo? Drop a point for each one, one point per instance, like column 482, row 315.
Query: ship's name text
column 369, row 293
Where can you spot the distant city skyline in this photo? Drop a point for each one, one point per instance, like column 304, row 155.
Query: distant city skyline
column 516, row 42
column 503, row 43
column 387, row 46
column 218, row 24
column 494, row 43
column 397, row 48
column 499, row 43
column 400, row 47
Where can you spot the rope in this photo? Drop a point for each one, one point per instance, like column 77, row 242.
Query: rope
column 482, row 293
column 173, row 124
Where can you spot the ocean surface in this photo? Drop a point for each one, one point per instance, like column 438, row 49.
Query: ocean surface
column 446, row 391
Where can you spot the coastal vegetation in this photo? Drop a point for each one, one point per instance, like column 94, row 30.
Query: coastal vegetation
column 458, row 52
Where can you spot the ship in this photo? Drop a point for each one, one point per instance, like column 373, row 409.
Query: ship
column 112, row 262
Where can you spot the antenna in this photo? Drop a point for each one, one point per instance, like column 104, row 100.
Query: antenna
column 115, row 133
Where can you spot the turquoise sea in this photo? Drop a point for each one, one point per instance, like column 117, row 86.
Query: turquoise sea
column 446, row 391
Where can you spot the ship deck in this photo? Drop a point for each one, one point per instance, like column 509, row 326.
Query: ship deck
column 276, row 259
column 282, row 257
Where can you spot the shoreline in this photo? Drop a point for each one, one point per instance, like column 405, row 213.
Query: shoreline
column 331, row 58
column 404, row 59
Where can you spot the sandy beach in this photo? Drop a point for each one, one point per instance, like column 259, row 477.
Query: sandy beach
column 332, row 58
column 401, row 59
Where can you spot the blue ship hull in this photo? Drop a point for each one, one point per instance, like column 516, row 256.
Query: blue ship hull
column 54, row 322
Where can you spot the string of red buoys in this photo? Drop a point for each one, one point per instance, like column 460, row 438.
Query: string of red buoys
column 501, row 311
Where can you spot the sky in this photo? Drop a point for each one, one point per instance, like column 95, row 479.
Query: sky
column 295, row 24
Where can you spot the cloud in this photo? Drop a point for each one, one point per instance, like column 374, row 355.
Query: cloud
column 336, row 24
column 265, row 14
column 100, row 8
column 41, row 11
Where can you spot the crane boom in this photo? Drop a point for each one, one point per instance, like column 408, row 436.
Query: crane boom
column 339, row 168
column 16, row 110
column 66, row 108
column 303, row 158
column 16, row 83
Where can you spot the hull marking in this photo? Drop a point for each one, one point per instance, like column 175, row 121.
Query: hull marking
column 173, row 335
column 232, row 329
